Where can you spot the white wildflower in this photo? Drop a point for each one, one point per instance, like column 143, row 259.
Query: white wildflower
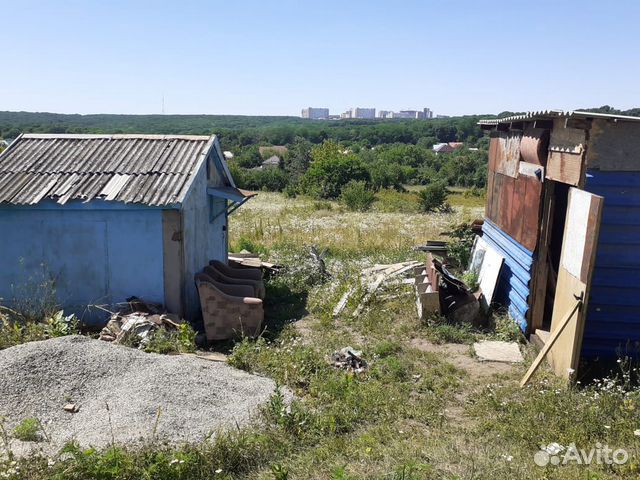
column 637, row 432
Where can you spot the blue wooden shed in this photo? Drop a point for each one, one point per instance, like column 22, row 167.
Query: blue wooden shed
column 107, row 217
column 563, row 209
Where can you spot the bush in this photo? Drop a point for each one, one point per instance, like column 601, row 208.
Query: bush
column 433, row 197
column 391, row 201
column 331, row 170
column 271, row 179
column 356, row 196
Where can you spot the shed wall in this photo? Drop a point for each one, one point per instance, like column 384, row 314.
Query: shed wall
column 613, row 316
column 204, row 221
column 513, row 288
column 97, row 254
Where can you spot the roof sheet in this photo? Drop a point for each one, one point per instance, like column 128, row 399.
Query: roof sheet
column 550, row 114
column 146, row 169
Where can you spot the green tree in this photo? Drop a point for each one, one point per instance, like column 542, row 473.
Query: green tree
column 331, row 169
column 298, row 157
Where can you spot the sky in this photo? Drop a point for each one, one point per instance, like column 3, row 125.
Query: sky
column 273, row 57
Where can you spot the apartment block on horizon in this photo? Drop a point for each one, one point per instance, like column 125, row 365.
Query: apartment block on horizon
column 315, row 113
column 359, row 112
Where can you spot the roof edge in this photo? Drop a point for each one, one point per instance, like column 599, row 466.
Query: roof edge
column 551, row 114
column 89, row 136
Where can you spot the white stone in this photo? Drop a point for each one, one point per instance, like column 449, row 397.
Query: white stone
column 496, row 351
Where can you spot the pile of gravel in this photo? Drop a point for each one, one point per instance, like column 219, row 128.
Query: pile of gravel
column 119, row 389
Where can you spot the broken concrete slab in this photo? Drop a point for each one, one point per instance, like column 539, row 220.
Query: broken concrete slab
column 497, row 351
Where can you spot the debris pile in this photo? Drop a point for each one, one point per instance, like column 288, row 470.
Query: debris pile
column 349, row 359
column 372, row 279
column 136, row 322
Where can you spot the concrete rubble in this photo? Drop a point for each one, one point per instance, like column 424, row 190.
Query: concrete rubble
column 497, row 351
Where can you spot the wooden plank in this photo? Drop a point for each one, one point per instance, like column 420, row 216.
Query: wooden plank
column 565, row 167
column 493, row 153
column 550, row 343
column 565, row 356
column 541, row 269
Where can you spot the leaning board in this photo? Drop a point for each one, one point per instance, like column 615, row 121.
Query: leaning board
column 584, row 211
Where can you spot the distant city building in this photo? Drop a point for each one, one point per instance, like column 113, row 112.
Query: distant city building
column 425, row 113
column 442, row 116
column 315, row 113
column 358, row 112
column 346, row 114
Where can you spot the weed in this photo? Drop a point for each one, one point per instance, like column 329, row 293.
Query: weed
column 28, row 430
column 181, row 340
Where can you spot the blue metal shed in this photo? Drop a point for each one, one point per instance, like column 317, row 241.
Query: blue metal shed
column 563, row 209
column 107, row 217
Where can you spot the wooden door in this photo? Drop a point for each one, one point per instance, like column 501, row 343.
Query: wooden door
column 580, row 240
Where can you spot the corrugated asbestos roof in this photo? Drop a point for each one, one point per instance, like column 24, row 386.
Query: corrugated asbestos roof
column 146, row 169
column 551, row 114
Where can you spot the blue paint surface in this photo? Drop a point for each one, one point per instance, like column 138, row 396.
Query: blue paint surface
column 613, row 316
column 512, row 290
column 96, row 256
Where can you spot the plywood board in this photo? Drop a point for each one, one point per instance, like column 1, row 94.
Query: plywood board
column 578, row 255
column 565, row 167
column 564, row 355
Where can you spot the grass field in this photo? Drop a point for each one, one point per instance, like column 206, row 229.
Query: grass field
column 425, row 407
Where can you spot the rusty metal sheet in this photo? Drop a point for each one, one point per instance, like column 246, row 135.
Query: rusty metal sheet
column 498, row 182
column 565, row 167
column 531, row 213
column 489, row 199
column 517, row 210
column 534, row 145
column 508, row 153
column 506, row 198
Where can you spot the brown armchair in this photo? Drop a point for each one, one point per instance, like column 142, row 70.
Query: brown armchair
column 218, row 276
column 244, row 273
column 226, row 316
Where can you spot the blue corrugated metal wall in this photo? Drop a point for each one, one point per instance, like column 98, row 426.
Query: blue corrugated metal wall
column 613, row 316
column 512, row 290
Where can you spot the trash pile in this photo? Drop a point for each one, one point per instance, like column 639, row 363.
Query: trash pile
column 349, row 359
column 136, row 322
column 371, row 279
